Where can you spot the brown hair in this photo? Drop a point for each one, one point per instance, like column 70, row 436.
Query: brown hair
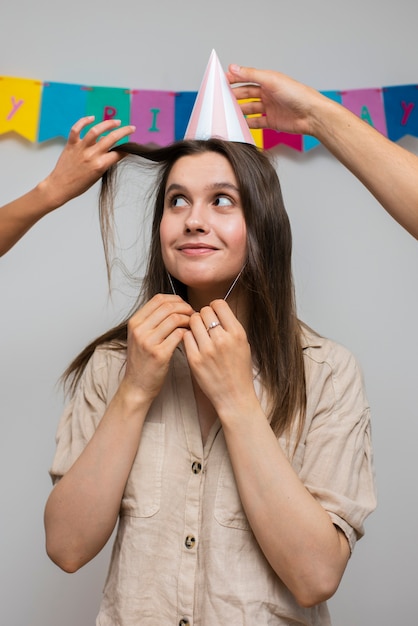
column 273, row 328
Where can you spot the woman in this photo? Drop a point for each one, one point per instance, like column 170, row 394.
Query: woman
column 231, row 442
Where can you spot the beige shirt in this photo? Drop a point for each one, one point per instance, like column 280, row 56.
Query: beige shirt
column 184, row 553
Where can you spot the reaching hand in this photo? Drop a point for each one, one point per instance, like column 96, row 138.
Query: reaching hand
column 281, row 102
column 84, row 160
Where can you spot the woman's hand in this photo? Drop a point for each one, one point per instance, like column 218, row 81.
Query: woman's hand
column 84, row 160
column 154, row 332
column 219, row 356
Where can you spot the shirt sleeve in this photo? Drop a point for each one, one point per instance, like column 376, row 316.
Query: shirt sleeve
column 84, row 411
column 337, row 465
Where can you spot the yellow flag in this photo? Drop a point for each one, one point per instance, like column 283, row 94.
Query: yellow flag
column 257, row 133
column 20, row 101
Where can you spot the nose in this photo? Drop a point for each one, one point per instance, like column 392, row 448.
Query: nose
column 196, row 221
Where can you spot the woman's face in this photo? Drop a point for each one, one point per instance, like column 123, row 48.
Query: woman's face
column 202, row 231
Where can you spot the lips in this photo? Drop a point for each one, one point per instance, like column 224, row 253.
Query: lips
column 196, row 248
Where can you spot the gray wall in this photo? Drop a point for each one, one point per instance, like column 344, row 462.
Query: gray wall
column 355, row 268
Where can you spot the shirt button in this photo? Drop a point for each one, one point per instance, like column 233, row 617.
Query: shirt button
column 184, row 622
column 190, row 542
column 196, row 467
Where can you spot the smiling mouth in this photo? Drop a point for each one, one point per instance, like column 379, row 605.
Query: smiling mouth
column 196, row 249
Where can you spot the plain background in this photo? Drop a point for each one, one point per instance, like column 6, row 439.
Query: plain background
column 355, row 268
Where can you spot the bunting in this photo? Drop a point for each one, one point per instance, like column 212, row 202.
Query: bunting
column 40, row 111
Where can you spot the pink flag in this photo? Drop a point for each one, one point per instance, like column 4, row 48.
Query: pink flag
column 367, row 104
column 152, row 112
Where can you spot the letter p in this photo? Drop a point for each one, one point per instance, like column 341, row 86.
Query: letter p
column 109, row 113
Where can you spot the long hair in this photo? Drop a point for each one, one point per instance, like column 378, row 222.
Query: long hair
column 274, row 331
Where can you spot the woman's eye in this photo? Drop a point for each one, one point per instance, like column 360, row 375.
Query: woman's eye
column 178, row 201
column 223, row 201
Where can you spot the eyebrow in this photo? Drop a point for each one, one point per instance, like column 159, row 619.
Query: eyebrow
column 212, row 186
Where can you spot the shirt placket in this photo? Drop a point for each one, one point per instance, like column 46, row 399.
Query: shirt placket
column 189, row 535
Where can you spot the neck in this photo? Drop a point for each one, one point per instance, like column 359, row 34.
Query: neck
column 211, row 294
column 198, row 298
column 236, row 300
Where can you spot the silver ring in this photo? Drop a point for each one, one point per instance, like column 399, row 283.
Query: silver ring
column 213, row 325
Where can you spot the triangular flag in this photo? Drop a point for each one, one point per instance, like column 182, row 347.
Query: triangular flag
column 20, row 101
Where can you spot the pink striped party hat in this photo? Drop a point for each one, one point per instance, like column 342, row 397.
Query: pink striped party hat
column 216, row 112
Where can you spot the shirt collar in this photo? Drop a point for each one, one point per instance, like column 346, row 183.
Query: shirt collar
column 309, row 338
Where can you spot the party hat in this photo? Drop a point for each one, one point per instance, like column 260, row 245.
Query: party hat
column 216, row 112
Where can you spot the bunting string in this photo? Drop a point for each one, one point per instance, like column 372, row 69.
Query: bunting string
column 40, row 111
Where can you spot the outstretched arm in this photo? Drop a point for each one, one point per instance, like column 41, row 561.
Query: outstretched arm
column 81, row 164
column 388, row 171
